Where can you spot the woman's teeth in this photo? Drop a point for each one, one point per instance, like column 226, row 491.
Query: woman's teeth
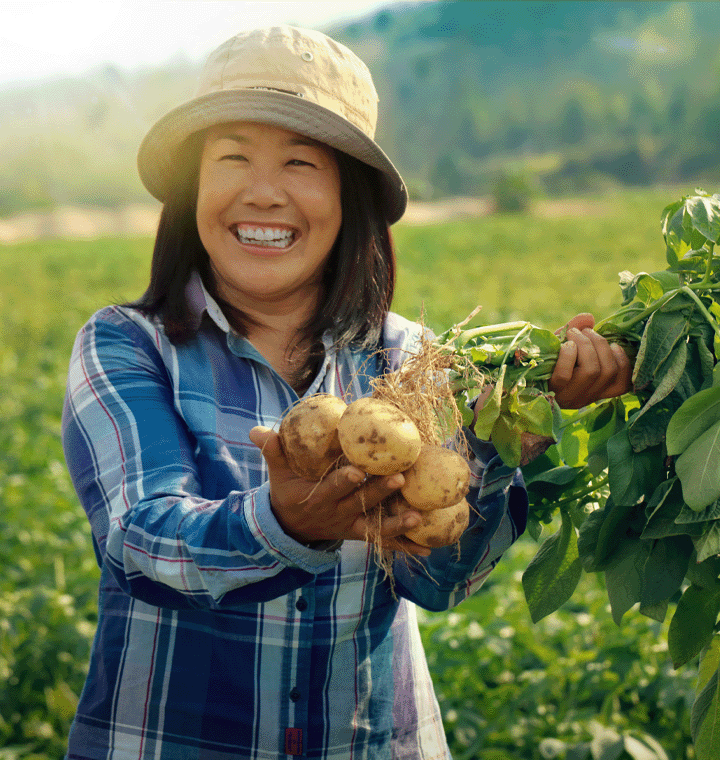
column 265, row 236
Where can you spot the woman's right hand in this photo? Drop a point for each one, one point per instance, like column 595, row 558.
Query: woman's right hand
column 335, row 507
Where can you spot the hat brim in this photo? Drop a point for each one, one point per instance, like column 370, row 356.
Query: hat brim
column 157, row 157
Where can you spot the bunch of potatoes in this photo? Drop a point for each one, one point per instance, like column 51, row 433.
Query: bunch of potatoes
column 323, row 431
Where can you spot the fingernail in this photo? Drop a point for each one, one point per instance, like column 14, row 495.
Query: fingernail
column 355, row 477
column 410, row 521
column 394, row 481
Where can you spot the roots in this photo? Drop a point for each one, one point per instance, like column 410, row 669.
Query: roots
column 422, row 388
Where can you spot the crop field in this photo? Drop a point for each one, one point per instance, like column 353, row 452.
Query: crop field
column 571, row 687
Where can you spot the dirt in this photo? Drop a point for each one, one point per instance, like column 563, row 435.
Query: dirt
column 71, row 222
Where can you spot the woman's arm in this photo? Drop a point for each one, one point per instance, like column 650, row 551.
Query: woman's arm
column 132, row 460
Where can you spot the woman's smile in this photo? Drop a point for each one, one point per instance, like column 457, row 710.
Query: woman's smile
column 265, row 237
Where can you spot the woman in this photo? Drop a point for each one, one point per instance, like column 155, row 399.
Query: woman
column 241, row 612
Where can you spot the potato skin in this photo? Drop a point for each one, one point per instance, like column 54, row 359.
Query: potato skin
column 441, row 527
column 439, row 478
column 308, row 434
column 377, row 437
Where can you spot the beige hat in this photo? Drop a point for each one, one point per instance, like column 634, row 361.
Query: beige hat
column 297, row 79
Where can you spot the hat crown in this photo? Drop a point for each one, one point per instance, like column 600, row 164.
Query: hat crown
column 300, row 62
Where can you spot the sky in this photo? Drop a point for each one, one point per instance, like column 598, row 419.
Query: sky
column 48, row 38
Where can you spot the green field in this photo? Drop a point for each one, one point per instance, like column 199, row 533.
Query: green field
column 508, row 689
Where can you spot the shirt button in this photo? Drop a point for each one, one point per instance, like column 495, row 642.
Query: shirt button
column 295, row 694
column 301, row 604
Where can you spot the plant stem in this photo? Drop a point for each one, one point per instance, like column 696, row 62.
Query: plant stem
column 708, row 316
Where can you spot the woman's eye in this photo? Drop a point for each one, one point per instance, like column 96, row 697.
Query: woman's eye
column 233, row 157
column 299, row 162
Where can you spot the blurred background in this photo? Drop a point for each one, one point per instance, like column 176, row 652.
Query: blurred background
column 510, row 99
column 540, row 142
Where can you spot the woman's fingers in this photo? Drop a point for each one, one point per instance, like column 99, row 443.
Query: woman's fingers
column 588, row 367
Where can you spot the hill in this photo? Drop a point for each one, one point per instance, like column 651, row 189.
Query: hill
column 573, row 96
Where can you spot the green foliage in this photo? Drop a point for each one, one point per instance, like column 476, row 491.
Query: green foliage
column 559, row 688
column 48, row 588
column 669, row 325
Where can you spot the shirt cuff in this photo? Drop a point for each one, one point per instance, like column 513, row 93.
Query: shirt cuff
column 267, row 531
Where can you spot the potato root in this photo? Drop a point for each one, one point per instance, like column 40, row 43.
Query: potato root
column 439, row 478
column 377, row 437
column 309, row 435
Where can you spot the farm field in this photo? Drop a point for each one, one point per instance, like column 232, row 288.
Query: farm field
column 510, row 690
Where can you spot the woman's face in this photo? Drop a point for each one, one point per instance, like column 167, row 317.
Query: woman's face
column 268, row 213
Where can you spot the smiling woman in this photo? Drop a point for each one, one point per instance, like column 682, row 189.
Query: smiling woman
column 243, row 610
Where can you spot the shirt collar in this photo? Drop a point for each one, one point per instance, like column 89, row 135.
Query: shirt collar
column 199, row 301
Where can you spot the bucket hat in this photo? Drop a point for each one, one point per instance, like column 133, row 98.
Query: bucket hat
column 297, row 79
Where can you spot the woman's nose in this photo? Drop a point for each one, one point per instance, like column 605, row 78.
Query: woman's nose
column 263, row 189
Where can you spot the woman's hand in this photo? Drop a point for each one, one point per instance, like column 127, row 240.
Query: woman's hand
column 333, row 508
column 588, row 368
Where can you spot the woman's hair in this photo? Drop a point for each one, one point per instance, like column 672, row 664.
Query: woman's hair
column 359, row 277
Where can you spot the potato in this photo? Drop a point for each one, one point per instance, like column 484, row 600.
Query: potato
column 441, row 527
column 309, row 437
column 377, row 437
column 439, row 478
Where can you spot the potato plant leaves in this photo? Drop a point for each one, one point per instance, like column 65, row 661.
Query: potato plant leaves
column 692, row 419
column 705, row 717
column 553, row 574
column 637, row 477
column 693, row 623
column 698, row 468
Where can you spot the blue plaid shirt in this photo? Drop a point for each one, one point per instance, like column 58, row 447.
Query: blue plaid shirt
column 219, row 636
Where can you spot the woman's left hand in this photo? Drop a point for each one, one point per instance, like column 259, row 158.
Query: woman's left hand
column 588, row 368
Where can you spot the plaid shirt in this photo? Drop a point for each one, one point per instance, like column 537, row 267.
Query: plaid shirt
column 219, row 636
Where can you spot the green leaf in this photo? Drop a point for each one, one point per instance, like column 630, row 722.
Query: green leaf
column 648, row 429
column 664, row 507
column 705, row 574
column 662, row 332
column 617, row 519
column 698, row 468
column 673, row 232
column 506, row 438
column 708, row 544
column 487, row 416
column 648, row 289
column 553, row 574
column 690, row 516
column 705, row 716
column 705, row 214
column 557, row 476
column 692, row 625
column 692, row 419
column 631, row 474
column 643, row 750
column 588, row 538
column 536, row 416
column 624, row 576
column 670, row 374
column 665, row 569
